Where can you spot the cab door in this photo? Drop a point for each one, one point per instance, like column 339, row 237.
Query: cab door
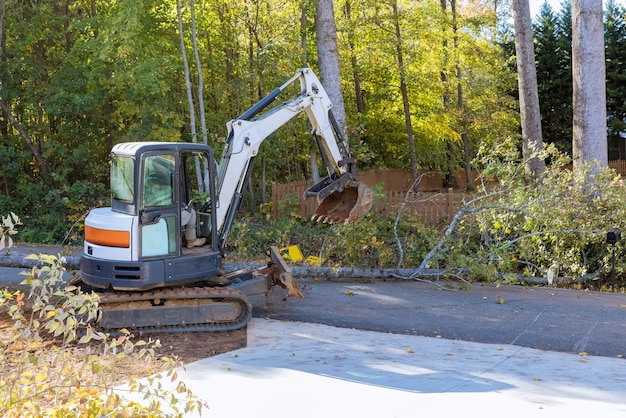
column 159, row 208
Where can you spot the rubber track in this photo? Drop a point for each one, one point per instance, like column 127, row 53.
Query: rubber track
column 172, row 294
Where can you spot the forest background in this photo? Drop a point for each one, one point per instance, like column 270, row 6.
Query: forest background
column 78, row 77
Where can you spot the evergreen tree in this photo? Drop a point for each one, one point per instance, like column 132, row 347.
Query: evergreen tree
column 564, row 74
column 551, row 80
column 615, row 47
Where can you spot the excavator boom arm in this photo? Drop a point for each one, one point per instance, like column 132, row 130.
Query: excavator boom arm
column 247, row 133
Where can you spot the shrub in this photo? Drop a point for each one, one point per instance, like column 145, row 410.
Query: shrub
column 371, row 242
column 54, row 363
column 54, row 216
column 559, row 223
column 375, row 242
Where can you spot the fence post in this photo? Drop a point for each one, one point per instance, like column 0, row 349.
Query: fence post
column 274, row 201
column 450, row 210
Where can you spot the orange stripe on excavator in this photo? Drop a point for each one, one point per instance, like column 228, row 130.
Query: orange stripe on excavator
column 107, row 237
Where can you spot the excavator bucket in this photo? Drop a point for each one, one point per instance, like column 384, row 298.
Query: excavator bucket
column 346, row 205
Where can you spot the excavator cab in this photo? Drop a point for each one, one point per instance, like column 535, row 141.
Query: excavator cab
column 141, row 241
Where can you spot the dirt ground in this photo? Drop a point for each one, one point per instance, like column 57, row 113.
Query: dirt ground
column 192, row 346
column 185, row 347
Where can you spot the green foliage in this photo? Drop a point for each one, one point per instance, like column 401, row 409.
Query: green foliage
column 615, row 43
column 372, row 242
column 559, row 223
column 90, row 77
column 375, row 242
column 54, row 216
column 289, row 205
column 554, row 77
column 54, row 363
column 249, row 238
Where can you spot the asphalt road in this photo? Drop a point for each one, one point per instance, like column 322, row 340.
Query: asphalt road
column 536, row 317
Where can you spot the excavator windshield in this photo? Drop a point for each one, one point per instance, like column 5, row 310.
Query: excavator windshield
column 122, row 178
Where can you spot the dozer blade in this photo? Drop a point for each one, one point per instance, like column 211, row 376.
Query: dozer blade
column 345, row 206
column 285, row 277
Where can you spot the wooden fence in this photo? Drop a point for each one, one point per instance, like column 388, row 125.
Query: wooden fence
column 433, row 205
column 619, row 166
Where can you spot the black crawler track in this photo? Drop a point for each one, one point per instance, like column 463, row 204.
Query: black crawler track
column 175, row 310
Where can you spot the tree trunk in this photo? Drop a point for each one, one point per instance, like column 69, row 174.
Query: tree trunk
column 303, row 40
column 405, row 98
column 532, row 140
column 446, row 96
column 358, row 93
column 43, row 165
column 4, row 123
column 589, row 97
column 196, row 54
column 328, row 58
column 263, row 181
column 467, row 146
column 192, row 114
column 315, row 171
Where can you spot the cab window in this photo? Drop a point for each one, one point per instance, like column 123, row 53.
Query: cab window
column 122, row 178
column 158, row 178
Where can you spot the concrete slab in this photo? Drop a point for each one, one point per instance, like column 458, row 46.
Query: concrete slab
column 294, row 369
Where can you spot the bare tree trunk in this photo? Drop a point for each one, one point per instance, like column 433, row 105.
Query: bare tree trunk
column 183, row 52
column 204, row 169
column 303, row 40
column 450, row 180
column 528, row 96
column 358, row 93
column 4, row 125
column 588, row 71
column 315, row 171
column 405, row 99
column 3, row 43
column 194, row 41
column 467, row 146
column 43, row 166
column 263, row 181
column 328, row 58
column 192, row 114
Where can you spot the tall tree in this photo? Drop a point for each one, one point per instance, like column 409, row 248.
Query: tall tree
column 450, row 170
column 328, row 58
column 532, row 141
column 356, row 74
column 589, row 88
column 405, row 94
column 467, row 146
column 315, row 171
